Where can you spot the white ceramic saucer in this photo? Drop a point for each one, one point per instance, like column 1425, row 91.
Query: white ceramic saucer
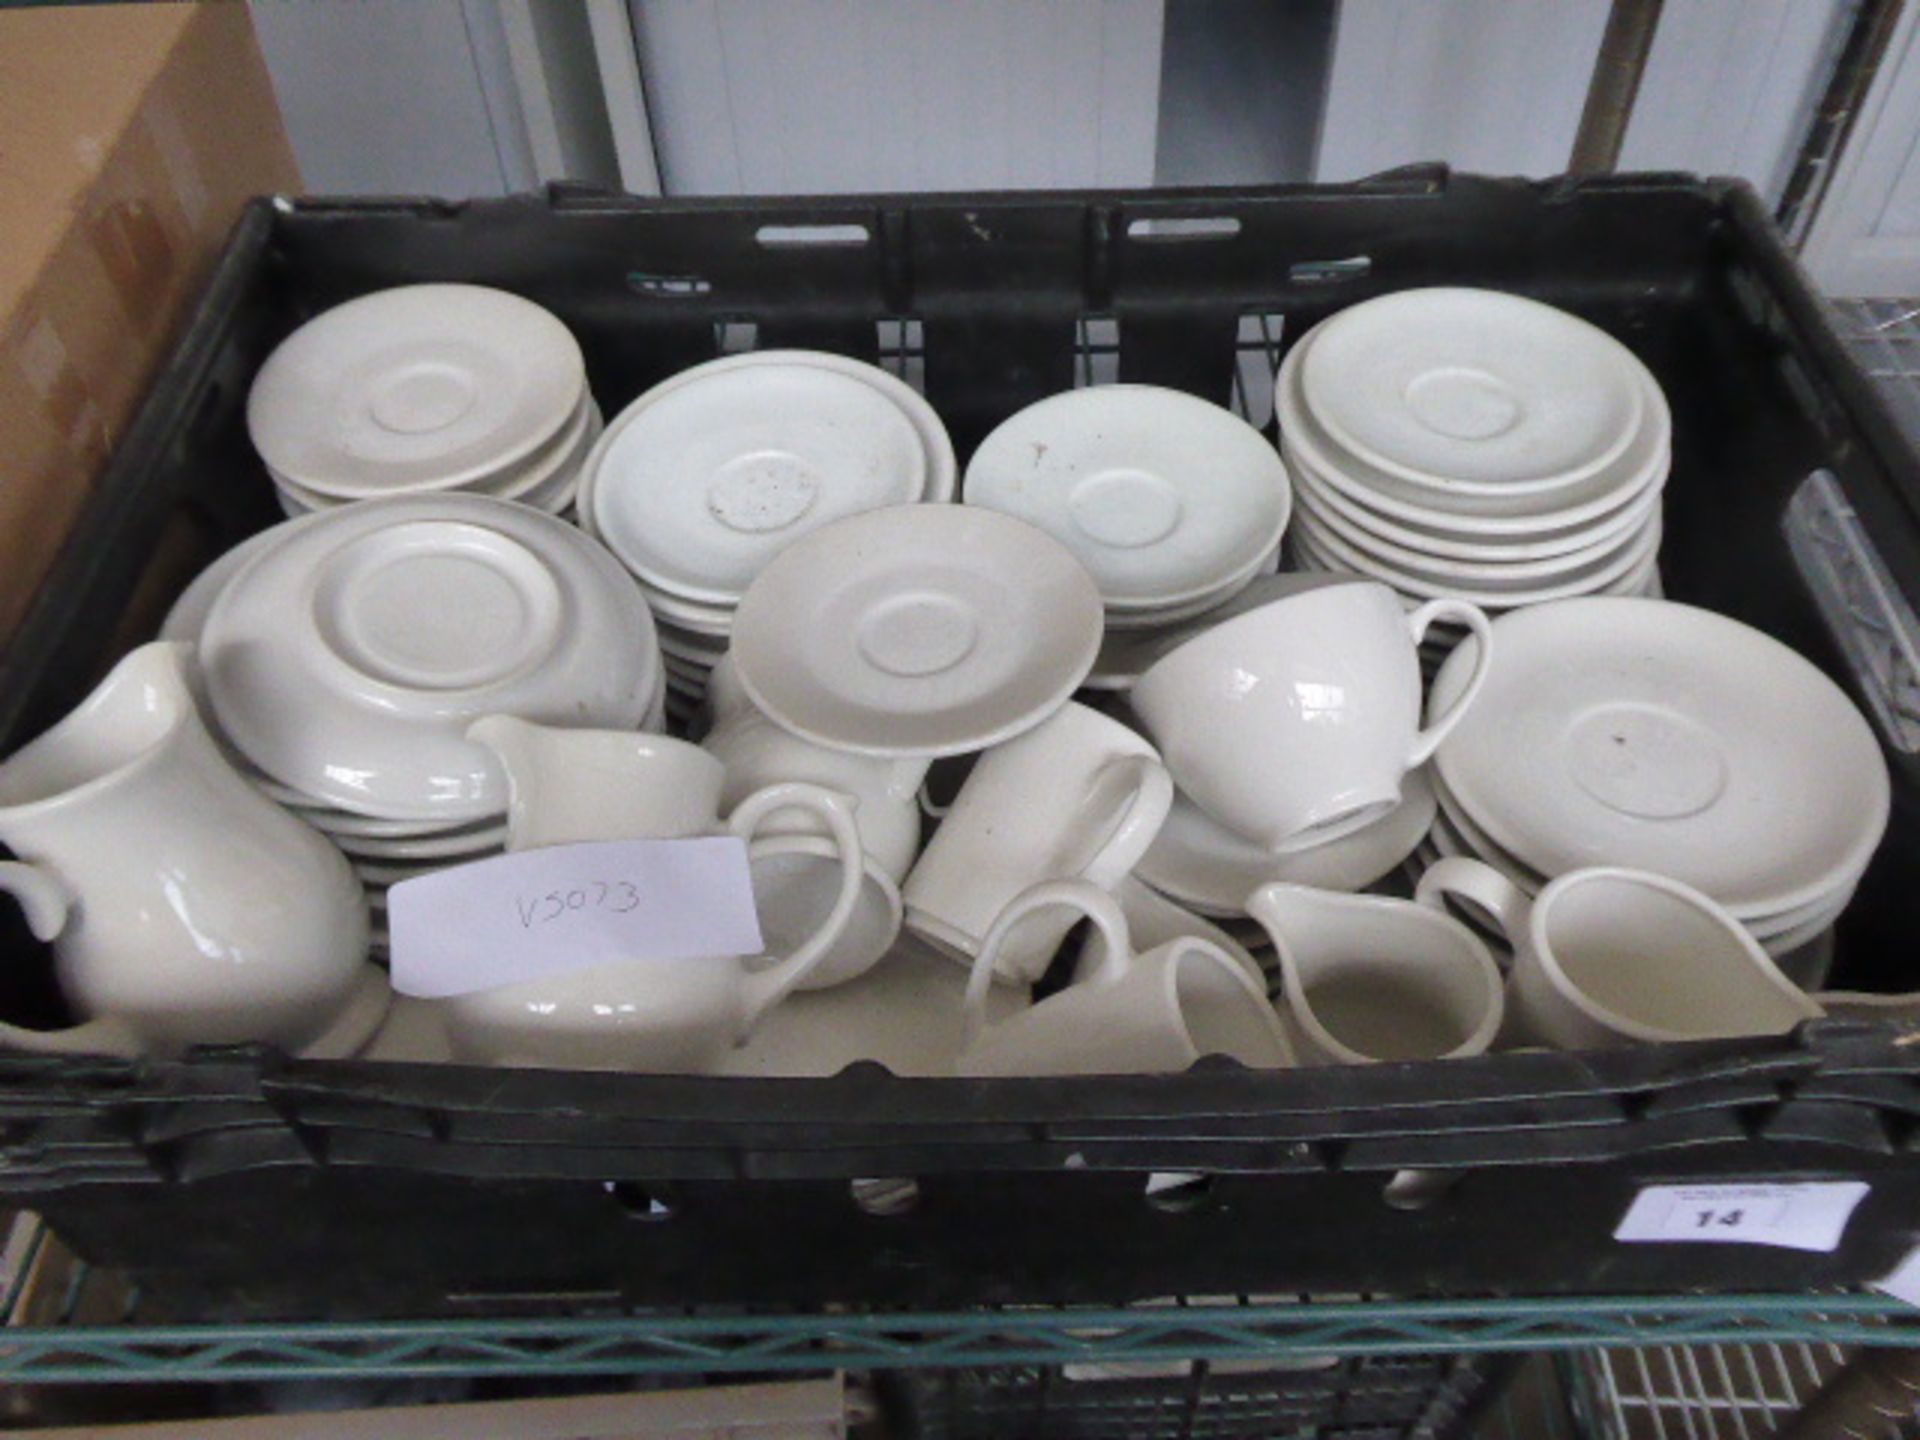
column 1491, row 563
column 1473, row 391
column 1330, row 500
column 1593, row 577
column 1667, row 738
column 1165, row 498
column 917, row 630
column 942, row 468
column 1201, row 863
column 1642, row 464
column 697, row 486
column 346, row 660
column 420, row 387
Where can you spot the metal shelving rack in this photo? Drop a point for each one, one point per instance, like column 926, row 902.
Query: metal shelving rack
column 82, row 1327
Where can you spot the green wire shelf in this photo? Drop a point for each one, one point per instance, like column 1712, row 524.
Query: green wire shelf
column 638, row 1344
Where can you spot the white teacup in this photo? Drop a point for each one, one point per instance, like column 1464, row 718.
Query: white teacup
column 663, row 1016
column 758, row 753
column 1610, row 956
column 1368, row 978
column 1294, row 723
column 1152, row 1013
column 1078, row 797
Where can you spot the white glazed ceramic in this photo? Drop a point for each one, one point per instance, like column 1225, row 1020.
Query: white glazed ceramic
column 184, row 907
column 1151, row 1013
column 1478, row 514
column 941, row 467
column 1663, row 737
column 907, row 1014
column 1608, row 956
column 1152, row 920
column 572, row 786
column 697, row 488
column 1295, row 723
column 758, row 753
column 1357, row 520
column 347, row 659
column 795, row 883
column 415, row 387
column 1594, row 577
column 1473, row 390
column 1490, row 564
column 1200, row 862
column 917, row 630
column 1369, row 978
column 1164, row 497
column 1080, row 796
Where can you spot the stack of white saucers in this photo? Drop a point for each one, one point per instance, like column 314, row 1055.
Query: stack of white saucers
column 424, row 389
column 343, row 655
column 706, row 477
column 1475, row 444
column 1174, row 505
column 1661, row 737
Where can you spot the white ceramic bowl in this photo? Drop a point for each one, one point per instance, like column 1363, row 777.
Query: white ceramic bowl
column 347, row 660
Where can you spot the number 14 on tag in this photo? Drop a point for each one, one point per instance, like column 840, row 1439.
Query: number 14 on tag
column 1804, row 1216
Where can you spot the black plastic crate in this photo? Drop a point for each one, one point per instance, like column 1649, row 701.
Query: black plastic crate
column 242, row 1183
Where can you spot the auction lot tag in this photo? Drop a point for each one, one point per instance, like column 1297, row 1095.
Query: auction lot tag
column 537, row 913
column 1808, row 1215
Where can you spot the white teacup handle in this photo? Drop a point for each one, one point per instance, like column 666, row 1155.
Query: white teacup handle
column 1146, row 812
column 766, row 988
column 1479, row 882
column 47, row 902
column 1089, row 899
column 1475, row 619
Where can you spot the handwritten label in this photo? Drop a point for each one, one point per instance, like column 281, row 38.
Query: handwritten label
column 538, row 913
column 1810, row 1215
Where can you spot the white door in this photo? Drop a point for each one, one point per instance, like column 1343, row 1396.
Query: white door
column 1866, row 237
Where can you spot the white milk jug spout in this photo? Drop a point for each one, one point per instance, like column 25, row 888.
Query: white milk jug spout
column 1366, row 978
column 184, row 906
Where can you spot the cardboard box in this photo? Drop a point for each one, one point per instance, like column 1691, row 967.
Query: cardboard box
column 130, row 135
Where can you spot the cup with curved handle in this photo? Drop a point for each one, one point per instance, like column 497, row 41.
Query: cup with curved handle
column 834, row 812
column 1295, row 722
column 1608, row 956
column 1419, row 622
column 1151, row 1013
column 1080, row 797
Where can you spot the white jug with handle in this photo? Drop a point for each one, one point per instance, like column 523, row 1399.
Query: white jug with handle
column 572, row 786
column 183, row 905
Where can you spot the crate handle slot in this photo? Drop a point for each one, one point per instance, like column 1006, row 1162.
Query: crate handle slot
column 778, row 237
column 1188, row 228
column 1328, row 272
